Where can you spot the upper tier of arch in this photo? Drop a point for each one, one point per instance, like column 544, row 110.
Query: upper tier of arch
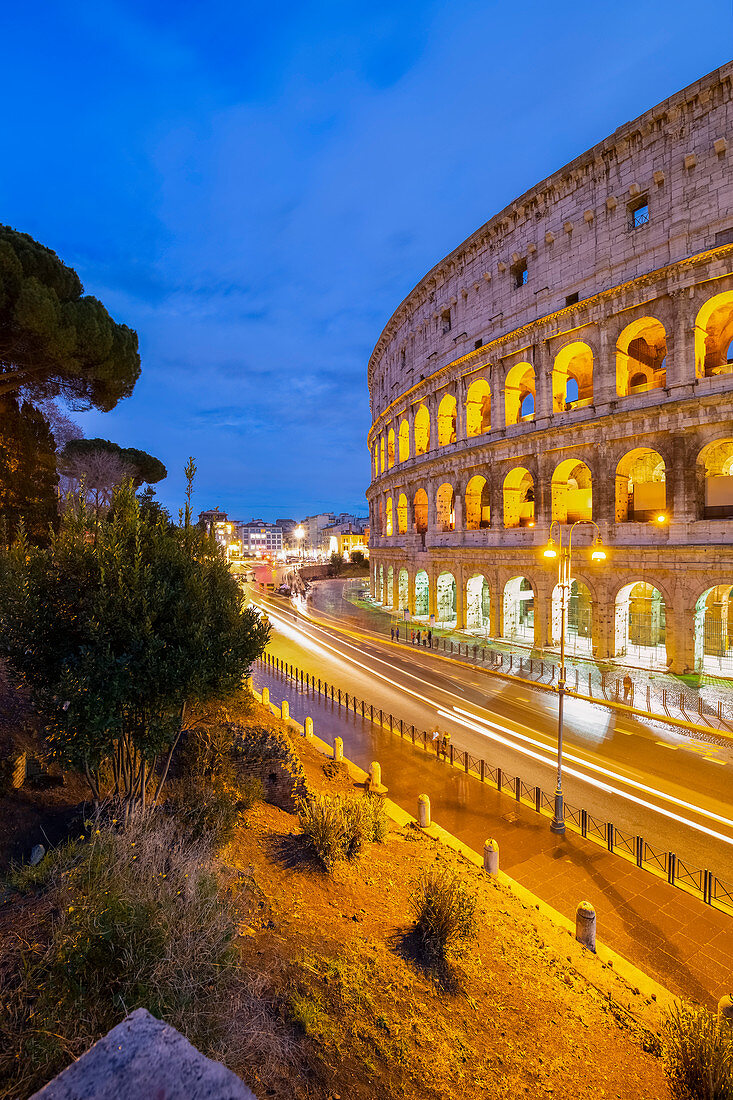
column 636, row 202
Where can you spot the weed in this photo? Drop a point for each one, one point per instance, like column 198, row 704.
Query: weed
column 698, row 1055
column 338, row 827
column 445, row 913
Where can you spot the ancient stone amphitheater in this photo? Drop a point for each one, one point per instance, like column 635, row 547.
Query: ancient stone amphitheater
column 573, row 361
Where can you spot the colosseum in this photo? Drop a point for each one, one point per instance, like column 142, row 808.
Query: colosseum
column 572, row 363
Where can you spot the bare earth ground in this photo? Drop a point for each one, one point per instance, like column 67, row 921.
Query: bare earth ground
column 513, row 1017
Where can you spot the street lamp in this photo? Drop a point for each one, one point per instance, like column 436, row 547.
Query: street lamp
column 563, row 554
column 299, row 534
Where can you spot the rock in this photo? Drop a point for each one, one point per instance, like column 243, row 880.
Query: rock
column 141, row 1059
column 37, row 854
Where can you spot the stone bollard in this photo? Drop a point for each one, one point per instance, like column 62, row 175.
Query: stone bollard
column 265, row 697
column 423, row 811
column 375, row 775
column 285, row 709
column 338, row 749
column 725, row 1009
column 491, row 857
column 585, row 925
column 308, row 728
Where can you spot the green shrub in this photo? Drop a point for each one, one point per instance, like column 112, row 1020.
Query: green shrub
column 445, row 913
column 214, row 809
column 698, row 1055
column 143, row 920
column 338, row 827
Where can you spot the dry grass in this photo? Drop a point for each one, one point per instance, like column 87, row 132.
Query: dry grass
column 698, row 1054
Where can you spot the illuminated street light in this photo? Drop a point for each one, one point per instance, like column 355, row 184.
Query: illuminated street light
column 299, row 533
column 661, row 518
column 564, row 554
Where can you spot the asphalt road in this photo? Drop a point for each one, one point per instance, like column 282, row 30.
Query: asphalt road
column 649, row 779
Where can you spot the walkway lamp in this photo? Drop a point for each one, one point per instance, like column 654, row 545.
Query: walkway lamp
column 563, row 554
column 299, row 533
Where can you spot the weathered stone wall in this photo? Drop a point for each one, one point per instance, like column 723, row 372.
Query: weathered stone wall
column 646, row 347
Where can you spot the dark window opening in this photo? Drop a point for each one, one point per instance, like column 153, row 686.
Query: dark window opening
column 478, row 344
column 724, row 237
column 445, row 318
column 639, row 214
column 571, row 299
column 519, row 273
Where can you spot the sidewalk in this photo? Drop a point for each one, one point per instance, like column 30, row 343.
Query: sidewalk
column 709, row 703
column 685, row 945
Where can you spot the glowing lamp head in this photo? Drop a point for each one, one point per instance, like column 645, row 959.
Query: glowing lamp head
column 550, row 550
column 597, row 552
column 661, row 518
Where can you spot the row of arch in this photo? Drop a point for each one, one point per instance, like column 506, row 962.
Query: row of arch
column 641, row 352
column 639, row 629
column 640, row 494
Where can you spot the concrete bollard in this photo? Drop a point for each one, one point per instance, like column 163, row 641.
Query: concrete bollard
column 423, row 811
column 308, row 728
column 265, row 697
column 338, row 749
column 725, row 1009
column 375, row 775
column 491, row 857
column 585, row 925
column 285, row 709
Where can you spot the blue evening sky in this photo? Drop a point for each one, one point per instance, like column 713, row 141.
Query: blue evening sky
column 255, row 187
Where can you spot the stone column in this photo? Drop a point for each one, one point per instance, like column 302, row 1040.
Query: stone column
column 432, row 590
column 680, row 637
column 498, row 408
column 411, row 591
column 603, row 610
column 459, row 490
column 681, row 341
column 542, row 612
column 432, row 405
column 395, row 587
column 604, row 368
column 496, row 610
column 460, row 598
column 542, row 383
column 460, row 410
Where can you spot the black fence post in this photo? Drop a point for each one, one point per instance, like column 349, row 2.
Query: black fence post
column 498, row 779
column 483, row 771
column 639, row 845
column 538, row 799
column 671, row 868
column 584, row 823
column 609, row 835
column 452, row 753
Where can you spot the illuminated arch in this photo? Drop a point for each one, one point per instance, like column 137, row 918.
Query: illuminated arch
column 641, row 353
column 404, row 441
column 422, row 595
column 382, row 463
column 421, row 511
column 641, row 491
column 390, row 449
column 715, row 469
column 478, row 511
column 572, row 492
column 388, row 596
column 389, row 529
column 402, row 514
column 714, row 336
column 445, row 598
column 519, row 394
column 714, row 631
column 422, row 431
column 478, row 603
column 518, row 498
column 478, row 408
column 447, row 420
column 403, row 586
column 572, row 377
column 376, row 459
column 518, row 618
column 640, row 625
column 445, row 508
column 578, row 618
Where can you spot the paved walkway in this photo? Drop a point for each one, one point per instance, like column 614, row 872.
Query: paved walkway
column 706, row 701
column 684, row 944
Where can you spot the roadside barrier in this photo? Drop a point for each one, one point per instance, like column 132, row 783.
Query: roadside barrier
column 697, row 881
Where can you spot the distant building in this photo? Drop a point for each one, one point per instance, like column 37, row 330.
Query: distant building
column 258, row 537
column 212, row 519
column 344, row 536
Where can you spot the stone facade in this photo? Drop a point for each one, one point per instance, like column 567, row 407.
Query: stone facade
column 573, row 360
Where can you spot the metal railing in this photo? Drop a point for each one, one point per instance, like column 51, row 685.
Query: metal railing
column 699, row 882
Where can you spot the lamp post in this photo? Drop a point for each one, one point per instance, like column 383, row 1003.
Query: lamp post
column 564, row 556
column 299, row 534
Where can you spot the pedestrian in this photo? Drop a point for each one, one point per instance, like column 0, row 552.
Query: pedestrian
column 628, row 687
column 430, row 639
column 418, row 637
column 438, row 741
column 391, row 633
column 446, row 745
column 397, row 634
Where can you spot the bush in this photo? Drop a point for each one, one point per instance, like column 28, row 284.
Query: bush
column 215, row 809
column 698, row 1055
column 445, row 912
column 142, row 921
column 338, row 827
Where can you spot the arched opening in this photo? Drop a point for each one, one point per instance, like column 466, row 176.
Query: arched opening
column 478, row 603
column 519, row 394
column 404, row 441
column 641, row 491
column 714, row 337
column 715, row 469
column 447, row 421
column 421, row 511
column 380, row 584
column 572, row 492
column 478, row 509
column 519, row 498
column 422, row 595
column 445, row 598
column 641, row 355
column 402, row 514
column 578, row 618
column 572, row 377
column 478, row 408
column 714, row 631
column 389, row 527
column 376, row 459
column 390, row 449
column 382, row 463
column 403, row 587
column 445, row 508
column 422, row 431
column 390, row 588
column 381, row 517
column 518, row 609
column 640, row 626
